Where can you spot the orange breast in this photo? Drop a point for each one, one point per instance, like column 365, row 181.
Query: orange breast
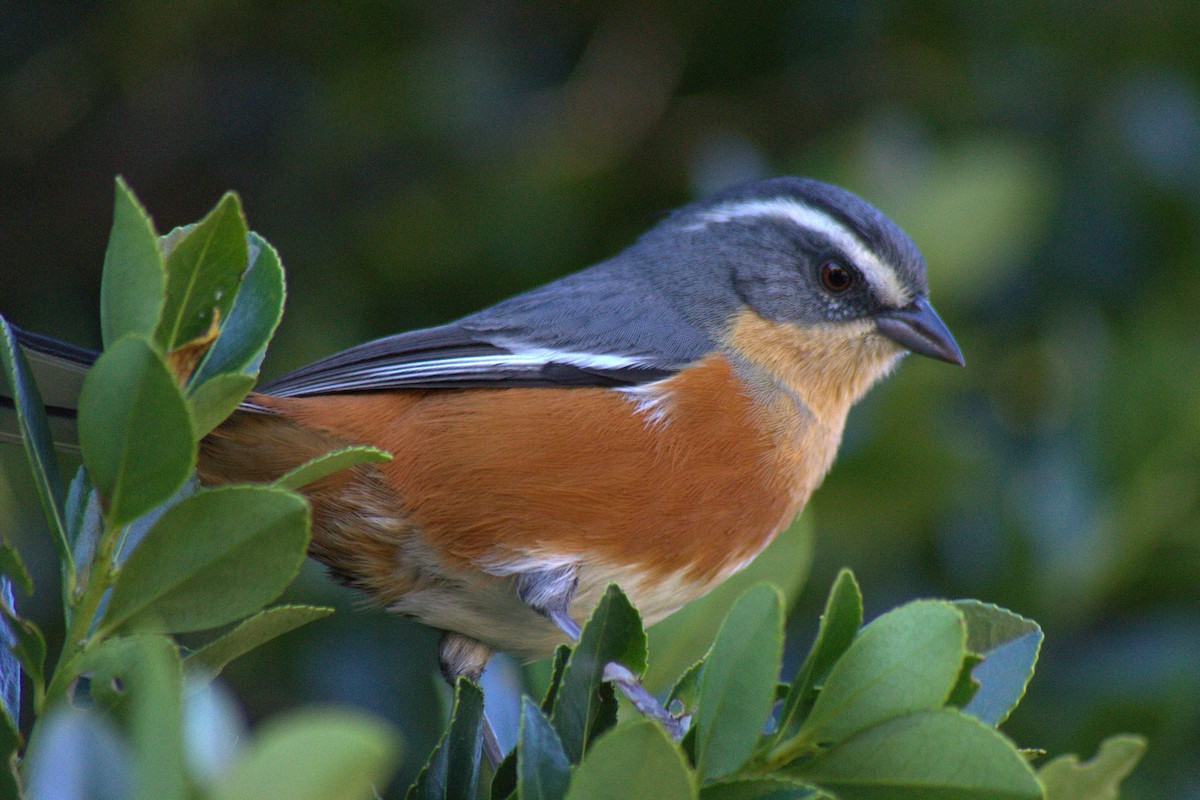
column 494, row 476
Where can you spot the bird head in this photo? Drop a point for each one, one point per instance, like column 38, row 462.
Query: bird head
column 803, row 280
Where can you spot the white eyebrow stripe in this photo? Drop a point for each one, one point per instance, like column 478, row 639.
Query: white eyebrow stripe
column 878, row 274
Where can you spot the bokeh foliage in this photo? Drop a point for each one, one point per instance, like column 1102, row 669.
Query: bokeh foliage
column 419, row 161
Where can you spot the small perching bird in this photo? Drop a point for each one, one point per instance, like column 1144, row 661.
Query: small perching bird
column 653, row 420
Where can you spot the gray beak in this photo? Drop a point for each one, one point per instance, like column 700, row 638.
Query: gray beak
column 918, row 327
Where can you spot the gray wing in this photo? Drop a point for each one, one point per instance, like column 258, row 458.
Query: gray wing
column 606, row 326
column 452, row 357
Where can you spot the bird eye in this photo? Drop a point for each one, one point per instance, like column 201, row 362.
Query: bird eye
column 835, row 277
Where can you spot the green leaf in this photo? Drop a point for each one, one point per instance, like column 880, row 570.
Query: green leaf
column 204, row 267
column 965, row 687
column 839, row 625
column 927, row 755
column 10, row 690
column 680, row 640
column 453, row 767
column 687, row 689
column 76, row 753
column 214, row 728
column 135, row 430
column 131, row 289
column 612, row 633
column 325, row 754
column 35, row 435
column 29, row 646
column 10, row 741
column 322, row 466
column 136, row 531
column 1009, row 645
column 737, row 689
column 906, row 660
column 211, row 559
column 634, row 761
column 1065, row 778
column 250, row 633
column 214, row 400
column 82, row 515
column 543, row 770
column 504, row 782
column 253, row 318
column 769, row 788
column 139, row 679
column 562, row 654
column 12, row 567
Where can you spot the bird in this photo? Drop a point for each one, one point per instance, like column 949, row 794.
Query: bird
column 652, row 421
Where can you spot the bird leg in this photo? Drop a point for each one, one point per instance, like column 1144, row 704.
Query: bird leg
column 462, row 656
column 549, row 592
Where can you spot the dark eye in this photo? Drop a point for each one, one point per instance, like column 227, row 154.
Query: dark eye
column 835, row 277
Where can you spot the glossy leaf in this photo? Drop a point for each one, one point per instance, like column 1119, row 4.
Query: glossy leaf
column 766, row 788
column 211, row 559
column 839, row 625
column 1009, row 645
column 453, row 767
column 504, row 782
column 82, row 515
column 138, row 678
column 26, row 643
column 543, row 770
column 137, row 530
column 329, row 463
column 562, row 653
column 634, row 761
column 10, row 737
column 214, row 727
column 13, row 568
column 928, row 755
column 204, row 266
column 686, row 690
column 134, row 279
column 135, row 430
column 737, row 688
column 253, row 318
column 216, row 399
column 612, row 633
column 323, row 754
column 965, row 687
column 80, row 755
column 35, row 435
column 250, row 633
column 10, row 674
column 680, row 640
column 906, row 660
column 1066, row 778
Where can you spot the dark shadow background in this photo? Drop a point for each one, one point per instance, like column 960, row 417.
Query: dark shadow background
column 414, row 162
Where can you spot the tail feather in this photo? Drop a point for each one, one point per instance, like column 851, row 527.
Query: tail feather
column 58, row 369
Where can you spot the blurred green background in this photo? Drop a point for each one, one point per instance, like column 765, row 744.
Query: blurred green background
column 414, row 162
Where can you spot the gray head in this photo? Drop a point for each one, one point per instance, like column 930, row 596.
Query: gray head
column 800, row 251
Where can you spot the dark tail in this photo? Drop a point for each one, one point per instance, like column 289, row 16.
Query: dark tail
column 58, row 369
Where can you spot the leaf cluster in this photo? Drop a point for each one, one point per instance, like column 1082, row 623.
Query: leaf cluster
column 905, row 707
column 145, row 554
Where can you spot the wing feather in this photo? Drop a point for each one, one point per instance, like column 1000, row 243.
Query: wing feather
column 452, row 357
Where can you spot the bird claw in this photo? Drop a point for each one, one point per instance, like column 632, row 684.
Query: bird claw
column 620, row 676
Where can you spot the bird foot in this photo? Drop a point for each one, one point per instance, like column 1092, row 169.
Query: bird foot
column 620, row 676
